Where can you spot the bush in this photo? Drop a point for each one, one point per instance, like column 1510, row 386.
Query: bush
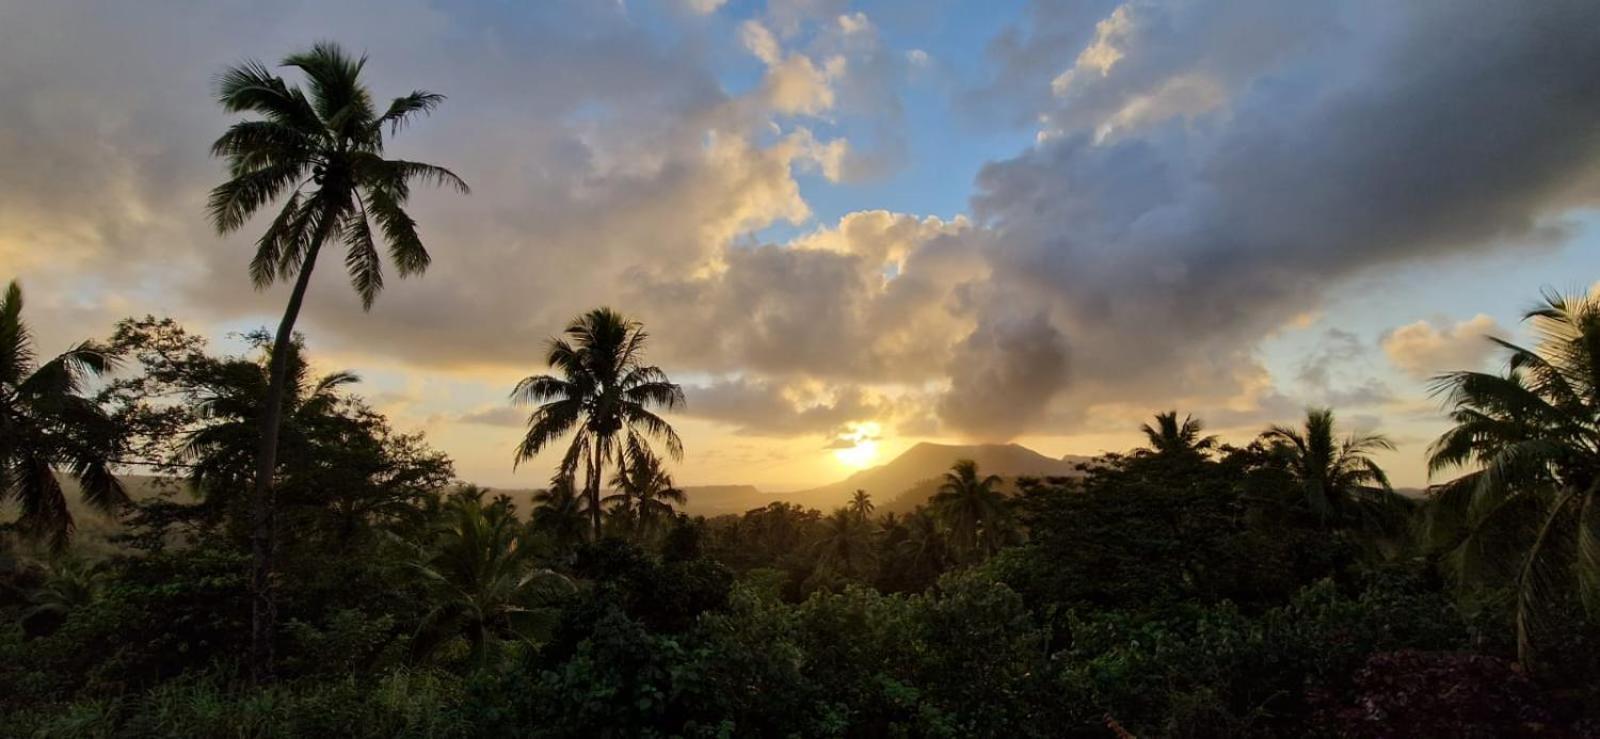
column 1413, row 693
column 398, row 704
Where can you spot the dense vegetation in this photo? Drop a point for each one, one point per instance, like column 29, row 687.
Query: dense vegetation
column 1186, row 588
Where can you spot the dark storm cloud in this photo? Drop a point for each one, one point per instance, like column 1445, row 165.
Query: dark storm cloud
column 1205, row 172
column 1430, row 130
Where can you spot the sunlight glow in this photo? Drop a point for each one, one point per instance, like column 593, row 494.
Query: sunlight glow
column 863, row 449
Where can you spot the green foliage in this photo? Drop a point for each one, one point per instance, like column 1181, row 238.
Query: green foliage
column 398, row 704
column 48, row 426
column 1130, row 537
column 1218, row 671
column 1182, row 590
column 1530, row 444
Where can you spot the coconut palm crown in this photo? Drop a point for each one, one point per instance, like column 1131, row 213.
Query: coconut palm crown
column 47, row 425
column 604, row 396
column 1525, row 513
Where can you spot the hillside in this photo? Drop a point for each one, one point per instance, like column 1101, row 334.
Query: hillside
column 920, row 466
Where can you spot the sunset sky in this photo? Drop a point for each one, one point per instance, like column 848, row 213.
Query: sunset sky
column 850, row 227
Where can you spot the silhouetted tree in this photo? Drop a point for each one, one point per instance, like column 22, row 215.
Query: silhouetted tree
column 844, row 546
column 973, row 509
column 1337, row 479
column 603, row 396
column 321, row 152
column 861, row 504
column 645, row 493
column 1178, row 440
column 559, row 512
column 46, row 424
column 1533, row 499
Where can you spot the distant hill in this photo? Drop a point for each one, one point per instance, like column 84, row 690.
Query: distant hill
column 898, row 485
column 910, row 478
column 704, row 500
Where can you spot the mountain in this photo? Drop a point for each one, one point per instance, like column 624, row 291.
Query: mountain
column 922, row 465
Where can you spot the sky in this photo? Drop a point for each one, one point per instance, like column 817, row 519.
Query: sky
column 853, row 226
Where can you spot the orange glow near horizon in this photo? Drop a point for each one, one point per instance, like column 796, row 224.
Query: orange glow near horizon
column 863, row 451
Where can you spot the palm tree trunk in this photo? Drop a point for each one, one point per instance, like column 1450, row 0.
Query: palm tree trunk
column 593, row 491
column 263, row 544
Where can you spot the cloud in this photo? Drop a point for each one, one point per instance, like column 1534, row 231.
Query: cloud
column 768, row 408
column 705, row 7
column 1162, row 240
column 1204, row 172
column 496, row 416
column 1004, row 376
column 1424, row 348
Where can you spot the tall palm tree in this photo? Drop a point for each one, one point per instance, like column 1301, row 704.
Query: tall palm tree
column 320, row 152
column 973, row 509
column 1338, row 480
column 645, row 493
column 1174, row 439
column 1531, row 441
column 484, row 584
column 861, row 504
column 46, row 424
column 603, row 396
column 845, row 544
column 559, row 511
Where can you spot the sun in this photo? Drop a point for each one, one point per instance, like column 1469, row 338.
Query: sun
column 863, row 449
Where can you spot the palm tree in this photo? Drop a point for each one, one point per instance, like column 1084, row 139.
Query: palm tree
column 1531, row 438
column 603, row 397
column 845, row 544
column 558, row 511
column 861, row 504
column 221, row 453
column 46, row 424
column 645, row 493
column 483, row 582
column 973, row 509
column 1337, row 480
column 320, row 154
column 1173, row 439
column 70, row 584
column 924, row 544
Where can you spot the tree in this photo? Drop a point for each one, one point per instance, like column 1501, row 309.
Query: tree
column 1177, row 440
column 46, row 424
column 341, row 468
column 973, row 509
column 483, row 581
column 603, row 396
column 861, row 504
column 322, row 155
column 558, row 511
column 221, row 449
column 1337, row 480
column 845, row 545
column 1531, row 440
column 645, row 493
column 917, row 552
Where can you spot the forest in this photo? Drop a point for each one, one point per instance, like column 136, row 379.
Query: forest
column 287, row 563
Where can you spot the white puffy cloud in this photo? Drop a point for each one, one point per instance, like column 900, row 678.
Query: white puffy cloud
column 1425, row 348
column 1207, row 172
